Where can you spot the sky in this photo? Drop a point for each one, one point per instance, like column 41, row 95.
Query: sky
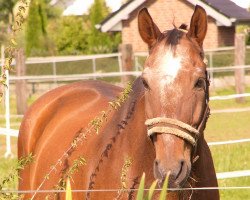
column 81, row 6
column 242, row 3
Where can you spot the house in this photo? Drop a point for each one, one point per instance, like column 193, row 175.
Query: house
column 223, row 16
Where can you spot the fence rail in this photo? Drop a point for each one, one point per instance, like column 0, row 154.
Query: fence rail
column 73, row 77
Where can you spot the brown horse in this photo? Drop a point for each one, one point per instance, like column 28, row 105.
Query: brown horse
column 160, row 126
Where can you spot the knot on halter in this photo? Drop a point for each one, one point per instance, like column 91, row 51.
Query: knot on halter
column 177, row 128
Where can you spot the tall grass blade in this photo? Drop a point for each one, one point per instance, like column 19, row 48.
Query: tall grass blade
column 141, row 188
column 151, row 191
column 163, row 194
column 68, row 190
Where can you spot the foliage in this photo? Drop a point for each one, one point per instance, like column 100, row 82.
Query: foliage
column 248, row 37
column 12, row 44
column 245, row 29
column 36, row 34
column 125, row 169
column 149, row 196
column 70, row 35
column 68, row 190
column 74, row 35
column 100, row 42
column 52, row 12
column 115, row 104
column 13, row 174
column 6, row 10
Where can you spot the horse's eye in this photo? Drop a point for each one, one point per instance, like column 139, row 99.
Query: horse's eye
column 145, row 84
column 200, row 84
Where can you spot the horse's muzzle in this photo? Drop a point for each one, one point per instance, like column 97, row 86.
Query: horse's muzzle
column 177, row 177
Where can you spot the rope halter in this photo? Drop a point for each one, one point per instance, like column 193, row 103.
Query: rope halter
column 174, row 127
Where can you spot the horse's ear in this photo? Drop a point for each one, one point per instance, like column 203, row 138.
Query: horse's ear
column 198, row 25
column 147, row 28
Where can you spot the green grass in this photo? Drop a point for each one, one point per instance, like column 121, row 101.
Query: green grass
column 6, row 167
column 235, row 194
column 228, row 126
column 233, row 157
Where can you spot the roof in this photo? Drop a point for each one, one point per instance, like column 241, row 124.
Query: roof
column 229, row 9
column 225, row 12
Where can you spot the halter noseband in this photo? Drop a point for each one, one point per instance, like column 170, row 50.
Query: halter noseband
column 177, row 128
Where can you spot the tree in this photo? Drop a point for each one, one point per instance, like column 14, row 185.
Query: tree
column 6, row 10
column 72, row 37
column 6, row 18
column 36, row 34
column 100, row 42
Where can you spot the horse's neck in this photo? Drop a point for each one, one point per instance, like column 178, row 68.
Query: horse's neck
column 204, row 167
column 131, row 116
column 138, row 145
column 130, row 120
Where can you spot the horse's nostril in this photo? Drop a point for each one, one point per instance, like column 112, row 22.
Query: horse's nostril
column 182, row 162
column 156, row 163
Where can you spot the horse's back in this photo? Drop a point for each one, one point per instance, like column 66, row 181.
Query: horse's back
column 54, row 119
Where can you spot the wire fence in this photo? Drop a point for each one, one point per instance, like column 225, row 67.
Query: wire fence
column 124, row 190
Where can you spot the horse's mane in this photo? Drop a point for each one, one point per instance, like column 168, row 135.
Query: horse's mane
column 125, row 112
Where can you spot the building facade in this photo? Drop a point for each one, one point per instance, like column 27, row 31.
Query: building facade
column 169, row 13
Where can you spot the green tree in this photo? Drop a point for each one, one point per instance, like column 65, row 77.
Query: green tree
column 6, row 10
column 69, row 35
column 6, row 18
column 100, row 42
column 36, row 34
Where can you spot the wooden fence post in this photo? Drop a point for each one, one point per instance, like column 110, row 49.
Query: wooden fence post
column 21, row 86
column 126, row 51
column 239, row 60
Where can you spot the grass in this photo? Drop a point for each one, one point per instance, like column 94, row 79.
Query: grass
column 6, row 166
column 228, row 126
column 233, row 157
column 234, row 194
column 220, row 127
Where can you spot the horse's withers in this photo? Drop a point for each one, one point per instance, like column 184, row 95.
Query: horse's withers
column 176, row 87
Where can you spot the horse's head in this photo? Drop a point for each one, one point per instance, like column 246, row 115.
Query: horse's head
column 176, row 93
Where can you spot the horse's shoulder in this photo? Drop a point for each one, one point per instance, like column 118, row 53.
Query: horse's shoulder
column 60, row 102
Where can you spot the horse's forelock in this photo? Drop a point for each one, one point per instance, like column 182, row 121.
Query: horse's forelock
column 172, row 37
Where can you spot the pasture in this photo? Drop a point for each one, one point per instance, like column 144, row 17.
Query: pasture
column 220, row 127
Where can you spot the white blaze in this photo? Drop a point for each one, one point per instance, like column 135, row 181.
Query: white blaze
column 170, row 66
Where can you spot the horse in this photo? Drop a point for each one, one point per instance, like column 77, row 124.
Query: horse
column 160, row 126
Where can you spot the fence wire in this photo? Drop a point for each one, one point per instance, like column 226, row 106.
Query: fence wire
column 124, row 190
